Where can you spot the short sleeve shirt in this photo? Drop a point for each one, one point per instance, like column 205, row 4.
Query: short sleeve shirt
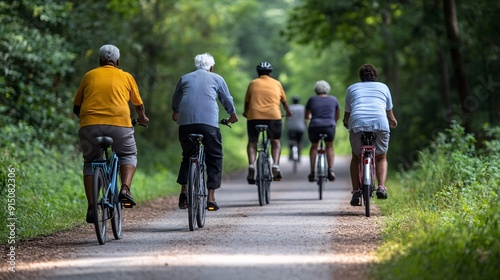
column 323, row 109
column 368, row 103
column 104, row 94
column 264, row 96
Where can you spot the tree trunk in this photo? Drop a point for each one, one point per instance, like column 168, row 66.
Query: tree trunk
column 457, row 62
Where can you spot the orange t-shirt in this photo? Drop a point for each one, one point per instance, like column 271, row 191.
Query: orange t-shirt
column 264, row 96
column 103, row 96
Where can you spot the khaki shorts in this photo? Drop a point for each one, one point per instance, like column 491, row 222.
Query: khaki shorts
column 123, row 144
column 381, row 142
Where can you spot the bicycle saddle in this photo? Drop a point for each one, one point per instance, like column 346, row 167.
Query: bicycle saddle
column 195, row 136
column 261, row 127
column 367, row 137
column 104, row 141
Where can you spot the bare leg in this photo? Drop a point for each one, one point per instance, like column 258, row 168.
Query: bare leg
column 276, row 150
column 313, row 153
column 381, row 167
column 330, row 154
column 211, row 195
column 88, row 182
column 251, row 151
column 354, row 168
column 184, row 189
column 127, row 172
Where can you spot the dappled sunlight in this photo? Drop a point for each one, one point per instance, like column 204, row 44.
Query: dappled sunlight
column 225, row 260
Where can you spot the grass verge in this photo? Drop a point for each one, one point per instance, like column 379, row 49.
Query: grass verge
column 442, row 220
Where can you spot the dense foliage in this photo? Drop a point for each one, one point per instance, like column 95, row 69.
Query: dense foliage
column 442, row 219
column 440, row 68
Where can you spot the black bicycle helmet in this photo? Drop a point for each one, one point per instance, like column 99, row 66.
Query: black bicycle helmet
column 264, row 67
column 296, row 99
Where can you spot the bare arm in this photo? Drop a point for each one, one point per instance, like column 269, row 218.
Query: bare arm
column 76, row 110
column 307, row 114
column 141, row 112
column 393, row 123
column 347, row 115
column 287, row 110
column 245, row 110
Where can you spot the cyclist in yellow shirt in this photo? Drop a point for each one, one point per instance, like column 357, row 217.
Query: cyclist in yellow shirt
column 102, row 104
column 262, row 106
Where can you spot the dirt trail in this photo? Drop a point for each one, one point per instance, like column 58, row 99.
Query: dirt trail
column 296, row 236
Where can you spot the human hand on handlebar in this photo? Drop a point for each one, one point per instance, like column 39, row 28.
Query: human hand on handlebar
column 232, row 118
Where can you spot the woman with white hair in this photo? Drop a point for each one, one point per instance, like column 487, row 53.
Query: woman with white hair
column 323, row 111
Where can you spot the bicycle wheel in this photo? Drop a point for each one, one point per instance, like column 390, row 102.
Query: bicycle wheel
column 321, row 174
column 261, row 179
column 116, row 213
column 366, row 199
column 202, row 198
column 100, row 211
column 192, row 195
column 295, row 158
column 367, row 185
column 268, row 179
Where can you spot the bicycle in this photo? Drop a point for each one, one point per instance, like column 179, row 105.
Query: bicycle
column 294, row 154
column 105, row 193
column 197, row 186
column 264, row 175
column 321, row 166
column 367, row 170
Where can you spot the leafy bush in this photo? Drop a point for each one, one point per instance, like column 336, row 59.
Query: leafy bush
column 443, row 220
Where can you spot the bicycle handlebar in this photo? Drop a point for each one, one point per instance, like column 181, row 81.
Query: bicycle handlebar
column 225, row 122
column 134, row 123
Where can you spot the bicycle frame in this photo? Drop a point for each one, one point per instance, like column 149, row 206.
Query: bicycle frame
column 197, row 192
column 109, row 165
column 264, row 176
column 367, row 169
column 321, row 165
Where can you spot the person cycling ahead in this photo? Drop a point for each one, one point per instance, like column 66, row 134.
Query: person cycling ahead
column 102, row 105
column 296, row 124
column 323, row 110
column 368, row 107
column 262, row 106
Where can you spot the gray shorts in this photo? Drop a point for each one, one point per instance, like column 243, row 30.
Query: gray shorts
column 123, row 144
column 381, row 142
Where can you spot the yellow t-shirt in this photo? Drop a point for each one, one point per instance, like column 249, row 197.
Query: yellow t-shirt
column 264, row 96
column 103, row 96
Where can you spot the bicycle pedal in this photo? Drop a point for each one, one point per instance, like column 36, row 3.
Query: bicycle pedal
column 128, row 205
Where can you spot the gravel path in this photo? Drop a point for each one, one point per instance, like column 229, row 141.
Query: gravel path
column 296, row 236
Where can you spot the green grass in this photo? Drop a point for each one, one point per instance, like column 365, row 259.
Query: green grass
column 442, row 219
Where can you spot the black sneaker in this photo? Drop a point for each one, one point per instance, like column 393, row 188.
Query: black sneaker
column 251, row 175
column 331, row 175
column 356, row 198
column 311, row 177
column 381, row 192
column 90, row 216
column 183, row 201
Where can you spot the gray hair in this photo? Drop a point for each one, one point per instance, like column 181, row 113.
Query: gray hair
column 109, row 53
column 322, row 87
column 204, row 61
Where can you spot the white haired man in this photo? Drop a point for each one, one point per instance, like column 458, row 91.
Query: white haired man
column 102, row 105
column 195, row 110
